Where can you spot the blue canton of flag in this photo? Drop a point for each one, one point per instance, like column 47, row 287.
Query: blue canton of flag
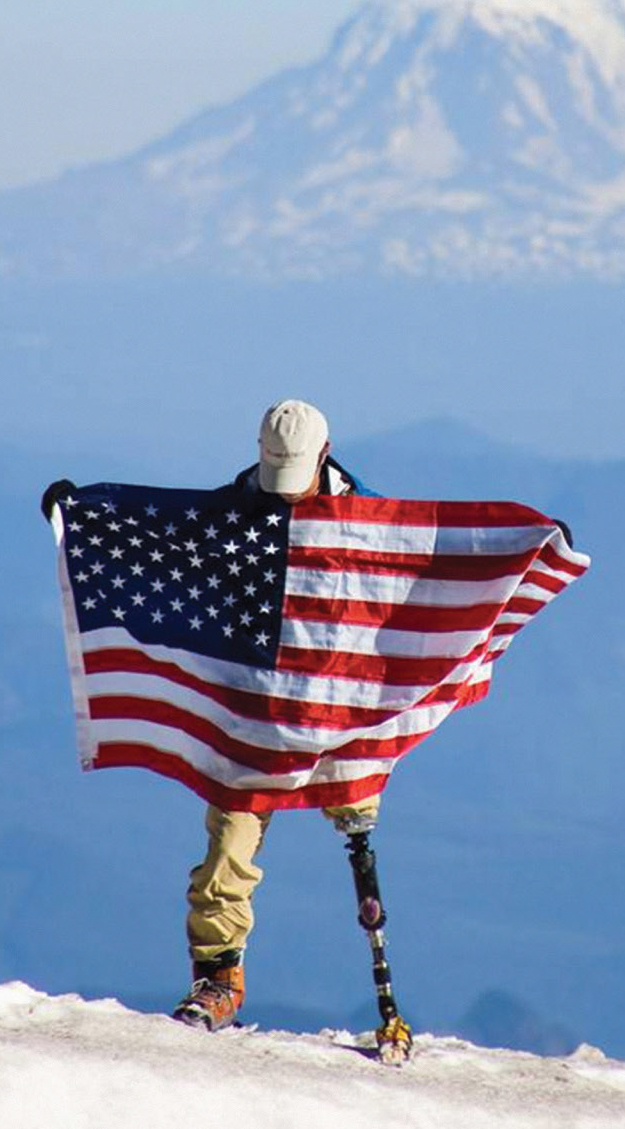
column 201, row 571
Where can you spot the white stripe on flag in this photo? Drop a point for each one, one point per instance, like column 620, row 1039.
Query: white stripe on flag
column 483, row 673
column 531, row 591
column 548, row 570
column 384, row 641
column 227, row 772
column 363, row 535
column 385, row 589
column 274, row 737
column 268, row 683
column 500, row 643
column 426, row 540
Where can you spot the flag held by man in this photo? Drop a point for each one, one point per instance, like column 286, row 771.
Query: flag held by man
column 277, row 656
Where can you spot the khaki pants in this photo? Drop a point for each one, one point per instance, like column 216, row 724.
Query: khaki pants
column 220, row 894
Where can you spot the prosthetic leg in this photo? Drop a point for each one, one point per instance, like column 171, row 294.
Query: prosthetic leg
column 394, row 1036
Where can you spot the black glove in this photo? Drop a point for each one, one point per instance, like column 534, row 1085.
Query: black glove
column 55, row 491
column 568, row 536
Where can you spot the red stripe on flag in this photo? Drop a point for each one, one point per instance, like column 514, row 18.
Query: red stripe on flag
column 367, row 748
column 400, row 617
column 406, row 512
column 136, row 755
column 545, row 580
column 417, row 566
column 552, row 559
column 508, row 628
column 523, row 605
column 268, row 761
column 256, row 706
column 390, row 670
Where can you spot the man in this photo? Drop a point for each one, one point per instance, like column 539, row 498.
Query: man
column 294, row 463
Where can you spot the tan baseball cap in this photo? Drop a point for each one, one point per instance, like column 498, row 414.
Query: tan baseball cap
column 292, row 436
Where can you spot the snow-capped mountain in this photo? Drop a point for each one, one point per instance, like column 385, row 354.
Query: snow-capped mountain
column 455, row 137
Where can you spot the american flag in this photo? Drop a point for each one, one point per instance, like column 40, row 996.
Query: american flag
column 275, row 656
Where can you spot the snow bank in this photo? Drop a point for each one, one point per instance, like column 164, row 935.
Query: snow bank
column 69, row 1064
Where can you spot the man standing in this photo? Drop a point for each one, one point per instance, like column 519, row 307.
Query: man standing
column 374, row 589
column 295, row 464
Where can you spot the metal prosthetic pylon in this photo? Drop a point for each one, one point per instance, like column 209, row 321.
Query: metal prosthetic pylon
column 394, row 1036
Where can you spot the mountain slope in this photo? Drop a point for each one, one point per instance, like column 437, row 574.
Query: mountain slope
column 455, row 137
column 64, row 1062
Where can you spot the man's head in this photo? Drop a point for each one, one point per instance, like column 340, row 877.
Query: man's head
column 293, row 446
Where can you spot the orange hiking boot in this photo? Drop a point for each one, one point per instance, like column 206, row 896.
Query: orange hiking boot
column 214, row 1000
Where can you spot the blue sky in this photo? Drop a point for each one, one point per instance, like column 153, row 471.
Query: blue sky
column 82, row 80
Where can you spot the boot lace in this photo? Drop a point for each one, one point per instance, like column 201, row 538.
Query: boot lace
column 207, row 988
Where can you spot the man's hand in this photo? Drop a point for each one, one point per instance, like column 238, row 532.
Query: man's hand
column 55, row 491
column 568, row 536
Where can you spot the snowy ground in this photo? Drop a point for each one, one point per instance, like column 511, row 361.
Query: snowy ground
column 68, row 1064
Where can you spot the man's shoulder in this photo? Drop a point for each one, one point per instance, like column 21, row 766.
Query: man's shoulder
column 247, row 479
column 365, row 491
column 343, row 481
